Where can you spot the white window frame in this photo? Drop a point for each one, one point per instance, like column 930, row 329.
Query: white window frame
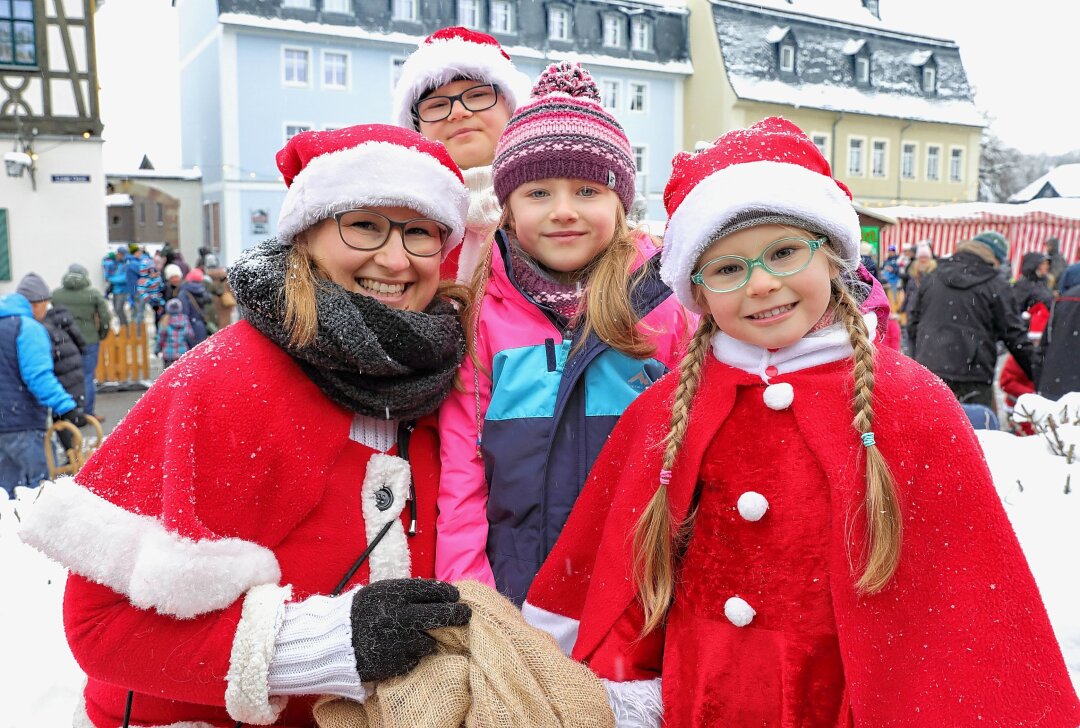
column 959, row 176
column 861, row 171
column 884, row 171
column 142, row 212
column 787, row 57
column 641, row 171
column 297, row 4
column 933, row 171
column 348, row 69
column 159, row 213
column 929, row 79
column 610, row 87
column 341, row 7
column 308, row 126
column 562, row 12
column 824, row 147
column 612, row 30
column 413, row 7
column 285, row 49
column 473, row 9
column 641, row 35
column 643, row 108
column 396, row 64
column 862, row 69
column 914, row 160
column 502, row 5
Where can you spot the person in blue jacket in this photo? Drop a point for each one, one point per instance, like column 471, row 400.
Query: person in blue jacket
column 115, row 268
column 28, row 386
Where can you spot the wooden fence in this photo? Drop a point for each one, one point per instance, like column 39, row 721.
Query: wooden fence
column 124, row 355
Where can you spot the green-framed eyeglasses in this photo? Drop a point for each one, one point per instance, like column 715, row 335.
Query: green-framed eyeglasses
column 783, row 257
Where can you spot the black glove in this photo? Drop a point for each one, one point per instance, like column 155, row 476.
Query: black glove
column 390, row 619
column 75, row 416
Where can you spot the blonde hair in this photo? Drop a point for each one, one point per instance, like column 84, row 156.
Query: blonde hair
column 606, row 311
column 657, row 540
column 302, row 276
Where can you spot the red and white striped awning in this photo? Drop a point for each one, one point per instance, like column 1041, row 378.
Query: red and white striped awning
column 1026, row 226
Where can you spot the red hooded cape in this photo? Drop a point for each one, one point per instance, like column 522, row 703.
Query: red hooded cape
column 959, row 636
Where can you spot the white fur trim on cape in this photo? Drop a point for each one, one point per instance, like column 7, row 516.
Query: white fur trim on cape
column 635, row 703
column 821, row 347
column 247, row 691
column 775, row 187
column 390, row 559
column 82, row 720
column 433, row 64
column 374, row 174
column 563, row 629
column 136, row 556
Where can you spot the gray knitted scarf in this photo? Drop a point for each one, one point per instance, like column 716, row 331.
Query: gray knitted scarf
column 369, row 358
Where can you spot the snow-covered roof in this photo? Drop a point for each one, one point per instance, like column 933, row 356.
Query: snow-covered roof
column 411, row 41
column 777, row 33
column 118, row 200
column 824, row 77
column 837, row 13
column 1054, row 206
column 1065, row 181
column 183, row 174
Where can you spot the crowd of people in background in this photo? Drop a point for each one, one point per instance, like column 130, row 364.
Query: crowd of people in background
column 50, row 342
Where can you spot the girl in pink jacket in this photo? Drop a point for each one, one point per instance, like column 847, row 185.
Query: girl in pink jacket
column 570, row 323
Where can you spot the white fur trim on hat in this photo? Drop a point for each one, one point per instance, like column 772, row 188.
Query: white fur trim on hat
column 138, row 557
column 774, row 187
column 374, row 174
column 440, row 61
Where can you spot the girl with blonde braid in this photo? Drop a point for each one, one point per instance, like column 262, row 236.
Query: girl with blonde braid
column 796, row 528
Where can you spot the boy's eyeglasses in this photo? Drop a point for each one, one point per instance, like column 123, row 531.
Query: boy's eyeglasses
column 477, row 98
column 368, row 230
column 785, row 257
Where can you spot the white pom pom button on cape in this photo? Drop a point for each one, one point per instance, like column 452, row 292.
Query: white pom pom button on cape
column 738, row 612
column 779, row 396
column 752, row 506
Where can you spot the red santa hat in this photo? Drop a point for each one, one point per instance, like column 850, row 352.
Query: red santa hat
column 453, row 53
column 371, row 165
column 769, row 172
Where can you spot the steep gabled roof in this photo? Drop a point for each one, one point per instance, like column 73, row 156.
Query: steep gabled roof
column 1061, row 181
column 747, row 28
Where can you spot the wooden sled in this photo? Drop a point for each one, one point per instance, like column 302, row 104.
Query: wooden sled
column 81, row 448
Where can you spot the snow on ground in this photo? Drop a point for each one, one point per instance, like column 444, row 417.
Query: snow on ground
column 41, row 683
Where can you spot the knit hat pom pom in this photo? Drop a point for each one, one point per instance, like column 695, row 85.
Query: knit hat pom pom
column 567, row 78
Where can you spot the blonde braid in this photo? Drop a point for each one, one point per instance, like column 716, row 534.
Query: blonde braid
column 884, row 525
column 654, row 536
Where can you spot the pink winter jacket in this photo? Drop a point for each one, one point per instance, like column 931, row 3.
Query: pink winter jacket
column 551, row 415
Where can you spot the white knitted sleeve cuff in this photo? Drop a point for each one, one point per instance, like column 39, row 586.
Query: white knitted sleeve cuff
column 313, row 654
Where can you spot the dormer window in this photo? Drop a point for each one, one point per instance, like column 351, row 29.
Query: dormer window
column 613, row 31
column 860, row 61
column 782, row 38
column 926, row 67
column 929, row 79
column 559, row 22
column 641, row 37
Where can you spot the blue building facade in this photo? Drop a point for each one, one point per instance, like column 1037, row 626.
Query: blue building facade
column 255, row 72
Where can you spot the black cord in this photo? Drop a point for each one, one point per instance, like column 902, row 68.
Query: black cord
column 405, row 430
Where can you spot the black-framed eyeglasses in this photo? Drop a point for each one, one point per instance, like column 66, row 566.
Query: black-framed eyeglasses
column 476, row 98
column 783, row 257
column 367, row 230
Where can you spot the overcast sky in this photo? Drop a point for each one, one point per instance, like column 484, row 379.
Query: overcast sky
column 1020, row 57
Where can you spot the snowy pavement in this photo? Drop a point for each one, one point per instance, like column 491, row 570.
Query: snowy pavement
column 41, row 683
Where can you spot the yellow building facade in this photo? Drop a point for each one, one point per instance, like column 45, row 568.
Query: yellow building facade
column 891, row 110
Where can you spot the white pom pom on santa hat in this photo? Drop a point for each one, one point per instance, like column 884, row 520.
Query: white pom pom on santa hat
column 771, row 167
column 752, row 505
column 369, row 165
column 451, row 53
column 739, row 612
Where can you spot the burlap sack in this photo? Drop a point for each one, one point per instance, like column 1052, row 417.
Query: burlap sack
column 498, row 672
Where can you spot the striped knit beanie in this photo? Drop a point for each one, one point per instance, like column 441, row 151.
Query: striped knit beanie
column 564, row 132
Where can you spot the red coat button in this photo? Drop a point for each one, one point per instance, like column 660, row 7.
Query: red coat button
column 771, row 371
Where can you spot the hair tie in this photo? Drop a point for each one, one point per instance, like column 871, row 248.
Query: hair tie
column 868, row 439
column 665, row 477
